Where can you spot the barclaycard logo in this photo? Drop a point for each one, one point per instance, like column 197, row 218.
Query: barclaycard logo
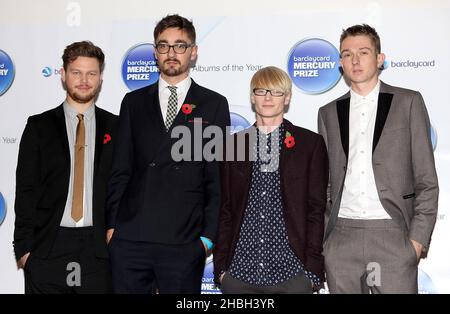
column 7, row 72
column 48, row 71
column 2, row 209
column 412, row 64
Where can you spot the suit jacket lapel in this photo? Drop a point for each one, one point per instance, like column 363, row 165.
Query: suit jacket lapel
column 180, row 118
column 62, row 134
column 192, row 99
column 343, row 112
column 245, row 167
column 154, row 107
column 165, row 140
column 99, row 136
column 384, row 105
column 285, row 152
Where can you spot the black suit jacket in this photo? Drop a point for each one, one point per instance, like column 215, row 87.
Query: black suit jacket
column 151, row 197
column 304, row 180
column 42, row 180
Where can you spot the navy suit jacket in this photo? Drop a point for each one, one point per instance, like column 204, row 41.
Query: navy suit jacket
column 151, row 196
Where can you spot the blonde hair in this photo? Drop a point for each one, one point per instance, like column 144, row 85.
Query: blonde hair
column 271, row 78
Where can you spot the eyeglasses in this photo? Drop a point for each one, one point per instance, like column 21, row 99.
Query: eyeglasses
column 263, row 92
column 177, row 48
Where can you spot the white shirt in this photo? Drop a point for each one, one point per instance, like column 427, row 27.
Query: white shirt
column 360, row 197
column 164, row 93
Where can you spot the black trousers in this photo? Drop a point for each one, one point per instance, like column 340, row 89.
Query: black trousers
column 300, row 284
column 143, row 267
column 71, row 266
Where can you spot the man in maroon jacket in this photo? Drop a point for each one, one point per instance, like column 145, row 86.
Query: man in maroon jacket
column 273, row 202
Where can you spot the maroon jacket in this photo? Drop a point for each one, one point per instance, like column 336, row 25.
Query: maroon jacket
column 304, row 180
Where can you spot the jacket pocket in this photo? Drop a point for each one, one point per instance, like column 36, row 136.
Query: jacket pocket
column 405, row 197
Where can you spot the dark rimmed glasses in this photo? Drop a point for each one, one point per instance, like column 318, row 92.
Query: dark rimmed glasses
column 263, row 92
column 178, row 48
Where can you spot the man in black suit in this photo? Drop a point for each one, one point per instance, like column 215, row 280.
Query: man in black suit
column 64, row 161
column 163, row 212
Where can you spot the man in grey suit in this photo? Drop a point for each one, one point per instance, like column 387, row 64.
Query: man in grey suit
column 383, row 191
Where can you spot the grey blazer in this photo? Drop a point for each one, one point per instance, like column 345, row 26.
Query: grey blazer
column 402, row 159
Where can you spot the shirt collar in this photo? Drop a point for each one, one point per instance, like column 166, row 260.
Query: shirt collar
column 372, row 96
column 72, row 112
column 268, row 136
column 280, row 128
column 182, row 86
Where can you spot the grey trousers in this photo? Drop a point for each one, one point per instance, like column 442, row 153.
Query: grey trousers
column 300, row 284
column 370, row 256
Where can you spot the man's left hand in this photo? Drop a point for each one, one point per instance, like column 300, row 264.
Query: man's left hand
column 206, row 248
column 418, row 247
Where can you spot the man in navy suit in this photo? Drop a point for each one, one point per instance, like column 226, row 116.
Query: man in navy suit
column 162, row 214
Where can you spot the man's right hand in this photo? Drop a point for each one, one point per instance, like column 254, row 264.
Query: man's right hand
column 221, row 277
column 22, row 261
column 109, row 234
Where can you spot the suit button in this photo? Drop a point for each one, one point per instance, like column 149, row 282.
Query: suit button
column 152, row 164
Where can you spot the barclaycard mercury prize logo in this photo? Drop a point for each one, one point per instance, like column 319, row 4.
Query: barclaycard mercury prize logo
column 2, row 209
column 238, row 123
column 425, row 283
column 139, row 68
column 208, row 285
column 7, row 72
column 313, row 65
column 433, row 135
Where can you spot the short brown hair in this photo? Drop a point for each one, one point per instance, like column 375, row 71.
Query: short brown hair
column 82, row 49
column 365, row 30
column 175, row 21
column 271, row 78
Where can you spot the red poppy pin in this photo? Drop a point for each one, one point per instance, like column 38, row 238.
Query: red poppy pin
column 187, row 108
column 289, row 140
column 106, row 138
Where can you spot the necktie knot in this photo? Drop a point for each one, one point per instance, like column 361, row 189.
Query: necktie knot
column 173, row 89
column 80, row 117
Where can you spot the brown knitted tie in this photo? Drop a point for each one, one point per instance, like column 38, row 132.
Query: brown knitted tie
column 78, row 178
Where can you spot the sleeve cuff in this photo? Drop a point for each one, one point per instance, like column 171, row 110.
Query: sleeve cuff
column 207, row 242
column 316, row 281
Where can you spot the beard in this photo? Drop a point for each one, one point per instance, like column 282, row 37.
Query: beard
column 83, row 98
column 173, row 70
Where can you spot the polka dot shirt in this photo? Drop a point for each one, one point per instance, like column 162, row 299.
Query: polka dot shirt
column 263, row 255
